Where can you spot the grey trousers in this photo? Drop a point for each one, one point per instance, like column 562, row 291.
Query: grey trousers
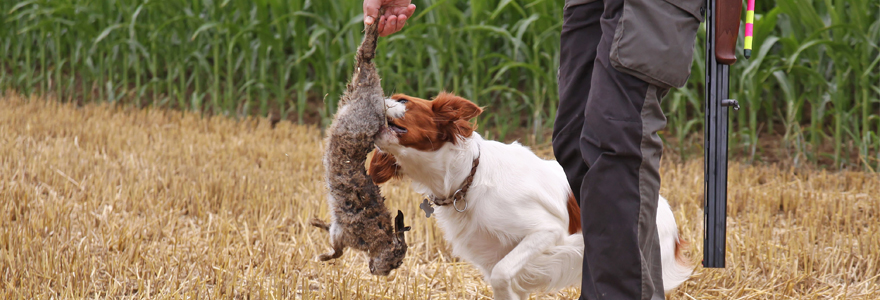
column 605, row 137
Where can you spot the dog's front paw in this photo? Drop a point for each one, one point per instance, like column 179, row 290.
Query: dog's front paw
column 500, row 280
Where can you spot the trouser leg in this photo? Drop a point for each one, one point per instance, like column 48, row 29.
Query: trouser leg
column 580, row 37
column 619, row 163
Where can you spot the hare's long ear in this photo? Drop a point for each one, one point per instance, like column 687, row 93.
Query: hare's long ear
column 399, row 227
column 383, row 167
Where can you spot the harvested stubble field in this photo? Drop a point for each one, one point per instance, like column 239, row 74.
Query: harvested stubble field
column 112, row 202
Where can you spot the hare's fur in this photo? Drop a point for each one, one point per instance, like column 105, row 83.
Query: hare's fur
column 360, row 219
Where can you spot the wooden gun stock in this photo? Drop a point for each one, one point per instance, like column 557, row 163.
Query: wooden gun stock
column 727, row 30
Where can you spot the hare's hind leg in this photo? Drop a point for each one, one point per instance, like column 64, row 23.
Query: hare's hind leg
column 320, row 224
column 337, row 252
column 335, row 239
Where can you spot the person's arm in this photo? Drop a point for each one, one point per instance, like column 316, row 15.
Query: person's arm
column 396, row 14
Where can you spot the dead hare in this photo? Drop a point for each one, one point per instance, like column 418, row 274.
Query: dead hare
column 359, row 218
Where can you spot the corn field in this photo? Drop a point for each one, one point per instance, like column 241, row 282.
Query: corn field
column 812, row 84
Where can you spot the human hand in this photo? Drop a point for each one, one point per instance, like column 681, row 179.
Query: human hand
column 396, row 14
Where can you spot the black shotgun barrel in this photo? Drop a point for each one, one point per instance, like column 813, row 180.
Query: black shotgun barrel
column 721, row 34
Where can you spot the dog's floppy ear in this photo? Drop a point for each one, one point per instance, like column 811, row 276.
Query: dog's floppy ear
column 453, row 108
column 453, row 114
column 383, row 167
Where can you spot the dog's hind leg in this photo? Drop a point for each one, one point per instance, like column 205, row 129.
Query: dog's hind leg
column 505, row 270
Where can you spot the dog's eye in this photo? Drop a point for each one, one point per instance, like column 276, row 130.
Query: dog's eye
column 402, row 100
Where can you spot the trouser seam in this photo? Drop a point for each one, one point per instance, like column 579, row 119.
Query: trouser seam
column 645, row 278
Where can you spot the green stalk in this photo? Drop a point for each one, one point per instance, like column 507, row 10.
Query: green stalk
column 70, row 89
column 838, row 123
column 264, row 94
column 101, row 70
column 27, row 66
column 137, row 75
column 154, row 72
column 248, row 77
column 57, row 39
column 125, row 73
column 197, row 95
column 301, row 95
column 215, row 91
column 181, row 93
column 228, row 106
column 280, row 89
column 44, row 66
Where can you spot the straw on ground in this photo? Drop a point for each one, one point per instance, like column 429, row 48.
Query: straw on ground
column 111, row 202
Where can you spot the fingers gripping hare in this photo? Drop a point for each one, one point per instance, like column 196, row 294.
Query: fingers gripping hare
column 359, row 217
